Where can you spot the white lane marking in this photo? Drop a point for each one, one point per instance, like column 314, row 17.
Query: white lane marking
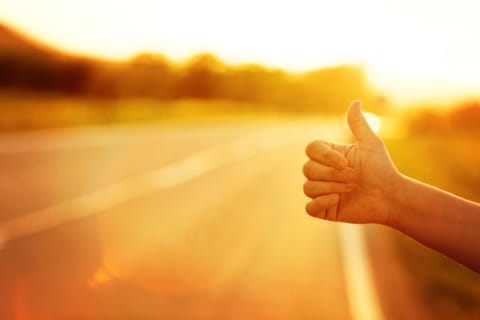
column 362, row 295
column 166, row 177
column 359, row 284
column 101, row 136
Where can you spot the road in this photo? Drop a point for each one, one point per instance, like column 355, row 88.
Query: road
column 192, row 221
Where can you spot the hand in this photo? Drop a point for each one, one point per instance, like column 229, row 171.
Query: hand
column 350, row 183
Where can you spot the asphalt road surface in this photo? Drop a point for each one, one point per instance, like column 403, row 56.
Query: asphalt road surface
column 197, row 221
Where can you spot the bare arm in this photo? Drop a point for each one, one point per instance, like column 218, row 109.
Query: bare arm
column 359, row 183
column 438, row 219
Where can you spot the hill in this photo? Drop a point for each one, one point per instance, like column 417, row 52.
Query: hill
column 16, row 41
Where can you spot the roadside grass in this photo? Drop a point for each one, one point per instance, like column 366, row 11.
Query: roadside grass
column 451, row 162
column 25, row 112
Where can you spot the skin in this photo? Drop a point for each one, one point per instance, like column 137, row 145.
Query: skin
column 358, row 183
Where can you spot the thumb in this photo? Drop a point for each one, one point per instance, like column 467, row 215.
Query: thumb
column 358, row 124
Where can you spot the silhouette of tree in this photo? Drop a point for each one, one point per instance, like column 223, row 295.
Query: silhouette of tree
column 148, row 75
column 466, row 117
column 200, row 77
column 204, row 76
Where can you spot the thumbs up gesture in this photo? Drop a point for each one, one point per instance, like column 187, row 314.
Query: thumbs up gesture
column 350, row 182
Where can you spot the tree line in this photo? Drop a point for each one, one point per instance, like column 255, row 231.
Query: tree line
column 202, row 77
column 462, row 117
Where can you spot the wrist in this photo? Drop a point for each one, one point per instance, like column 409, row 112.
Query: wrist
column 397, row 199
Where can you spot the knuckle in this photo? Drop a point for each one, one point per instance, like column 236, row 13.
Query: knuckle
column 332, row 187
column 341, row 175
column 335, row 174
column 309, row 209
column 338, row 187
column 313, row 148
column 310, row 148
column 311, row 170
column 308, row 170
column 334, row 159
column 333, row 199
column 307, row 189
column 315, row 211
column 322, row 214
column 329, row 157
column 330, row 214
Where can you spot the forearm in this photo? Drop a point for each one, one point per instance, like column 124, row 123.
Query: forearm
column 438, row 219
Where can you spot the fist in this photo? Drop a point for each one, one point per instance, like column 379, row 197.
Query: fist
column 350, row 182
column 328, row 176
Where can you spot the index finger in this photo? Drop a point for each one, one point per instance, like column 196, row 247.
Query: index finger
column 323, row 152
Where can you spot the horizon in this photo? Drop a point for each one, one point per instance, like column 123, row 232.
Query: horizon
column 395, row 57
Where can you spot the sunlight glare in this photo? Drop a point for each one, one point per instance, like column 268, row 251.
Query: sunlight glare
column 373, row 121
column 296, row 35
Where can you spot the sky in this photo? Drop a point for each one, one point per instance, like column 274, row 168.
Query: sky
column 411, row 49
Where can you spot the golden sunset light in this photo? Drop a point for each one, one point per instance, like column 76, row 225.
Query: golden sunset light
column 409, row 48
column 178, row 159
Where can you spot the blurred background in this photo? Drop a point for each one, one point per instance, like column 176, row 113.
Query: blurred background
column 151, row 154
